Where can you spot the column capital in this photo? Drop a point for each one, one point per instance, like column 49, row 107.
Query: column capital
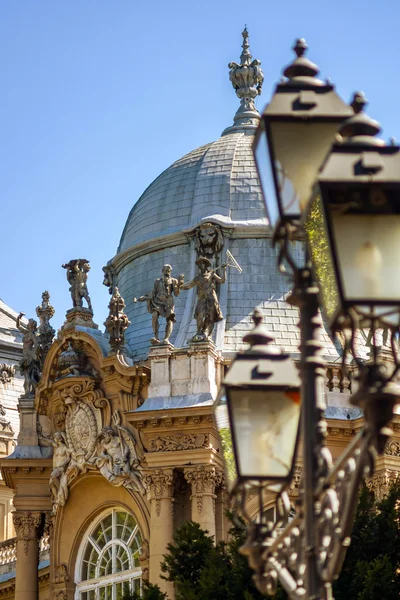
column 204, row 479
column 27, row 525
column 159, row 484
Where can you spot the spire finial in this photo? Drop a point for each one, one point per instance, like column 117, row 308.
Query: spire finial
column 247, row 79
column 302, row 67
column 360, row 127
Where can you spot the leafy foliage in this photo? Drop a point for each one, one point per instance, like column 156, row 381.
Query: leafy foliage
column 371, row 570
column 202, row 571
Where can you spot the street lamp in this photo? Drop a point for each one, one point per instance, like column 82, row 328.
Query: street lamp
column 296, row 132
column 353, row 224
column 258, row 412
column 353, row 227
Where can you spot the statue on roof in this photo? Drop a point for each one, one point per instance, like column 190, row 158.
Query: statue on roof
column 160, row 302
column 208, row 310
column 30, row 364
column 77, row 275
column 117, row 322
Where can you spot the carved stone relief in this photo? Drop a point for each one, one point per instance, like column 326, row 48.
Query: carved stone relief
column 188, row 441
column 7, row 373
column 208, row 240
column 86, row 443
column 392, row 448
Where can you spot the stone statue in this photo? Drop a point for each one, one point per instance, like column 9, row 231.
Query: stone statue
column 208, row 241
column 117, row 459
column 208, row 311
column 109, row 278
column 160, row 302
column 45, row 312
column 30, row 363
column 61, row 461
column 117, row 322
column 77, row 274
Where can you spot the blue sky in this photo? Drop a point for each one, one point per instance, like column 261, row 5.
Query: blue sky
column 99, row 96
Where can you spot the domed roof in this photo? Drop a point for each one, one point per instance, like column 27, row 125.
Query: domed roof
column 218, row 179
column 216, row 183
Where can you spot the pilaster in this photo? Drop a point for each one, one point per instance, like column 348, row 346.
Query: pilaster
column 160, row 489
column 28, row 527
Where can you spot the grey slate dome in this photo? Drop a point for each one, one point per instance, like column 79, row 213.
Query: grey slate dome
column 215, row 183
column 217, row 179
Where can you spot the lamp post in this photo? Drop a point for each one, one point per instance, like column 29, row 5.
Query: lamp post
column 354, row 208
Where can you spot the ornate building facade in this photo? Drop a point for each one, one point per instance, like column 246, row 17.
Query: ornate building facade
column 117, row 444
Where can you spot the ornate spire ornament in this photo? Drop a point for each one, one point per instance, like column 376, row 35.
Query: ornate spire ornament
column 116, row 323
column 45, row 311
column 247, row 79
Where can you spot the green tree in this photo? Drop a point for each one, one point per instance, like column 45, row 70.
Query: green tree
column 202, row 571
column 371, row 570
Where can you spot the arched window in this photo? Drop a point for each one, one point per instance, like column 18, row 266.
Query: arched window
column 109, row 558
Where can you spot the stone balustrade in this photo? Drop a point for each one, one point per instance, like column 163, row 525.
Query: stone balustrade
column 8, row 553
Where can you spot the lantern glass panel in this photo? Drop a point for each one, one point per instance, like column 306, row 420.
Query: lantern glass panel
column 299, row 150
column 264, row 168
column 368, row 250
column 225, row 435
column 264, row 426
column 318, row 241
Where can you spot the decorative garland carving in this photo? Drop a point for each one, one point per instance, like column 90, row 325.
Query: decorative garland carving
column 159, row 484
column 7, row 373
column 27, row 526
column 170, row 443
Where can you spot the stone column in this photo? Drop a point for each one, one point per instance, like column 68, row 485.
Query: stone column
column 204, row 479
column 27, row 526
column 160, row 487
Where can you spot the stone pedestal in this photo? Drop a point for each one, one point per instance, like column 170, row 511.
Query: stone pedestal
column 203, row 357
column 79, row 316
column 204, row 479
column 27, row 526
column 28, row 419
column 160, row 370
column 189, row 373
column 160, row 488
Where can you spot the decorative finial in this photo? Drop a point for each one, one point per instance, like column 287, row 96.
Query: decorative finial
column 116, row 323
column 360, row 127
column 302, row 67
column 259, row 336
column 359, row 102
column 247, row 79
column 45, row 311
column 257, row 317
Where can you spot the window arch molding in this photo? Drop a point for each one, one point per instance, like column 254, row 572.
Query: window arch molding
column 107, row 561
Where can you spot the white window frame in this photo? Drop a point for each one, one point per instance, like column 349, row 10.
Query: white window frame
column 134, row 573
